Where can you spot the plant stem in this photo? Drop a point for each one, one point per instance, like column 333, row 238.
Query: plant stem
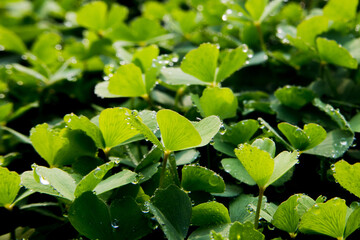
column 258, row 207
column 163, row 170
column 261, row 36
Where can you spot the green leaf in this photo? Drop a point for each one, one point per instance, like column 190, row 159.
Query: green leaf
column 308, row 29
column 294, row 96
column 316, row 134
column 244, row 231
column 21, row 137
column 116, row 180
column 59, row 180
column 128, row 221
column 325, row 218
column 117, row 14
column 176, row 76
column 95, row 211
column 333, row 113
column 283, row 163
column 177, row 133
column 336, row 143
column 295, row 135
column 232, row 61
column 186, row 157
column 257, row 163
column 348, row 176
column 205, row 233
column 355, row 123
column 209, row 214
column 127, row 81
column 331, row 52
column 115, row 127
column 234, row 167
column 84, row 124
column 28, row 181
column 256, row 8
column 270, row 9
column 47, row 142
column 9, row 41
column 9, row 186
column 137, row 122
column 207, row 128
column 201, row 62
column 172, row 209
column 340, row 11
column 92, row 15
column 45, row 49
column 353, row 222
column 89, row 182
column 241, row 132
column 102, row 90
column 5, row 111
column 197, row 178
column 219, row 101
column 143, row 58
column 265, row 144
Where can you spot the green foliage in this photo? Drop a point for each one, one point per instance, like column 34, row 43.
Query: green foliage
column 210, row 213
column 10, row 186
column 347, row 176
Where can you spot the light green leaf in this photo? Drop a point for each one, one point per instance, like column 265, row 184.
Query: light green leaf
column 348, row 176
column 9, row 41
column 84, row 124
column 232, row 61
column 352, row 47
column 331, row 52
column 45, row 49
column 241, row 132
column 117, row 14
column 47, row 142
column 207, row 128
column 92, row 15
column 28, row 181
column 102, row 90
column 137, row 122
column 9, row 186
column 355, row 123
column 257, row 163
column 308, row 29
column 143, row 58
column 177, row 133
column 283, row 163
column 127, row 81
column 205, row 233
column 336, row 143
column 172, row 209
column 219, row 101
column 89, row 182
column 353, row 222
column 197, row 178
column 115, row 127
column 339, row 10
column 256, row 8
column 209, row 214
column 294, row 96
column 30, row 72
column 98, row 224
column 175, row 76
column 59, row 180
column 234, row 167
column 265, row 144
column 316, row 134
column 244, row 231
column 5, row 111
column 201, row 62
column 296, row 136
column 288, row 214
column 117, row 180
column 270, row 8
column 325, row 218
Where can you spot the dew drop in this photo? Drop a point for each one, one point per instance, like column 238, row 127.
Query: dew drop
column 44, row 181
column 2, row 48
column 115, row 224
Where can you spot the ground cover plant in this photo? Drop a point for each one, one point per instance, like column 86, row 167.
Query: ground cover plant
column 179, row 119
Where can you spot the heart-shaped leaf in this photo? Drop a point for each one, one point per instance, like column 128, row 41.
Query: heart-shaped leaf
column 9, row 186
column 232, row 60
column 177, row 133
column 219, row 101
column 201, row 62
column 93, row 15
column 348, row 176
column 207, row 128
column 283, row 162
